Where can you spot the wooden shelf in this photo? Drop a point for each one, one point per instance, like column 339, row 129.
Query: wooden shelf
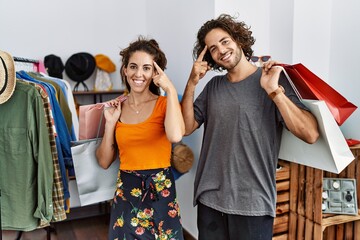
column 306, row 220
column 98, row 94
column 338, row 219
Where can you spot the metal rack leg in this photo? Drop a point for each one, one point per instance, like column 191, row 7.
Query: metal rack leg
column 18, row 237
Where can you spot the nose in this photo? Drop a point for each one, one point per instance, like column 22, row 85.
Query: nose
column 138, row 72
column 222, row 49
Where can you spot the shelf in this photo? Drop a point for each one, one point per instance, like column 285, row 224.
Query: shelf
column 338, row 219
column 307, row 221
column 98, row 94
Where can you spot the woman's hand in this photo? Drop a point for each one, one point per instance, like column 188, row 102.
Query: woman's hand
column 161, row 79
column 112, row 112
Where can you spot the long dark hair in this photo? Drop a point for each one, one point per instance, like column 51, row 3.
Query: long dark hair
column 238, row 31
column 149, row 46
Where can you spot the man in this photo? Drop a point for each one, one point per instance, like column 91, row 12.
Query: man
column 243, row 113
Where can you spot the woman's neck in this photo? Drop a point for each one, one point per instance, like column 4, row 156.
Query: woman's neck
column 140, row 98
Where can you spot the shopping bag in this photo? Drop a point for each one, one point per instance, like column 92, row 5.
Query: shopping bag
column 94, row 183
column 89, row 118
column 310, row 86
column 330, row 152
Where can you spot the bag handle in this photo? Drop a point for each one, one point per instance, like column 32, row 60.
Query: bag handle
column 290, row 81
column 121, row 99
column 99, row 126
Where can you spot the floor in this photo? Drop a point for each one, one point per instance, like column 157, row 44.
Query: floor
column 90, row 228
column 94, row 228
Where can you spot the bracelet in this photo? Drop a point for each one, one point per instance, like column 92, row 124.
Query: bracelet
column 279, row 90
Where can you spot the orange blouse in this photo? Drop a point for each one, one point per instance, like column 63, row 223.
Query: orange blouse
column 144, row 145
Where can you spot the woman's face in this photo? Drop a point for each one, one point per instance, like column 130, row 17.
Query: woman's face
column 140, row 71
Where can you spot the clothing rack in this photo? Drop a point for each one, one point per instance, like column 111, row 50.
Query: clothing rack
column 27, row 60
column 35, row 63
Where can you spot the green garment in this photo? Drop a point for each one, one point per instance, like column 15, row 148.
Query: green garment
column 26, row 168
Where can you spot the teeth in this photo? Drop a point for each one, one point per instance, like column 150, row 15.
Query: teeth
column 138, row 81
column 226, row 56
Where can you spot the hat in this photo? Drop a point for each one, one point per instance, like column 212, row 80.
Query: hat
column 54, row 66
column 80, row 66
column 182, row 157
column 7, row 76
column 104, row 63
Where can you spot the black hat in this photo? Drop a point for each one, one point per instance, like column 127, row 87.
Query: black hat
column 80, row 66
column 54, row 66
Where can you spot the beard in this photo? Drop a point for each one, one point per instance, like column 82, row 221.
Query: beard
column 231, row 65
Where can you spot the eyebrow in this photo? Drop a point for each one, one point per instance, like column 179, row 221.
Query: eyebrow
column 147, row 65
column 222, row 39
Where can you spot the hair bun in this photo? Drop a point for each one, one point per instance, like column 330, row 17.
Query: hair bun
column 154, row 42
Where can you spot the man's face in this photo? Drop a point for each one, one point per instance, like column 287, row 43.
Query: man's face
column 223, row 49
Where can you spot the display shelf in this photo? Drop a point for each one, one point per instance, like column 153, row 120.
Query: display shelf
column 306, row 220
column 97, row 95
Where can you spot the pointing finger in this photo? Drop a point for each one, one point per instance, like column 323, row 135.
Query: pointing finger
column 158, row 69
column 202, row 54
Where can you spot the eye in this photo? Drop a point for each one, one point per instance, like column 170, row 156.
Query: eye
column 225, row 42
column 147, row 68
column 132, row 67
column 212, row 49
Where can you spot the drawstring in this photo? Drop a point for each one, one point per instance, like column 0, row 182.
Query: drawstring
column 148, row 186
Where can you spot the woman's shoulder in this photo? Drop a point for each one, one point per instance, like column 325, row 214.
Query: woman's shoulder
column 161, row 101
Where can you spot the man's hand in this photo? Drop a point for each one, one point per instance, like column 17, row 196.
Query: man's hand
column 199, row 68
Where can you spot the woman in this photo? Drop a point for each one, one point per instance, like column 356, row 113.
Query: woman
column 141, row 129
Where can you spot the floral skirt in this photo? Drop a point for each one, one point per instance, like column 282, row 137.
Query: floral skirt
column 145, row 206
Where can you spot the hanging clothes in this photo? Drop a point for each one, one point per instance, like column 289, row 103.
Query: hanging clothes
column 63, row 140
column 58, row 189
column 65, row 86
column 26, row 169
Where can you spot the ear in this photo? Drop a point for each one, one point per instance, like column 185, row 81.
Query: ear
column 124, row 70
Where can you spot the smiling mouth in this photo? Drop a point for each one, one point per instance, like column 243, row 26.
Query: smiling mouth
column 226, row 56
column 138, row 82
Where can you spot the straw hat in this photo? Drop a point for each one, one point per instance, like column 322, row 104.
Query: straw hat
column 7, row 76
column 182, row 157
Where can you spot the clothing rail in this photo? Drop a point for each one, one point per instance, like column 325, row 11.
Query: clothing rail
column 35, row 64
column 26, row 60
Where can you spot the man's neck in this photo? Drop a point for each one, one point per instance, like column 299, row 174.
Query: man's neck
column 241, row 71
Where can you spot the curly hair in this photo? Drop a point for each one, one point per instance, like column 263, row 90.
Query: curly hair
column 149, row 46
column 238, row 31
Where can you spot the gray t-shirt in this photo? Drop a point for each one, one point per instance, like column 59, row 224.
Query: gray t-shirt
column 236, row 172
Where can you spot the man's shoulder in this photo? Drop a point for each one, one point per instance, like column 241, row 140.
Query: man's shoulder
column 218, row 77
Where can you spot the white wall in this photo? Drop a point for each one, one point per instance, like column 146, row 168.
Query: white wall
column 326, row 40
column 34, row 29
column 344, row 63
